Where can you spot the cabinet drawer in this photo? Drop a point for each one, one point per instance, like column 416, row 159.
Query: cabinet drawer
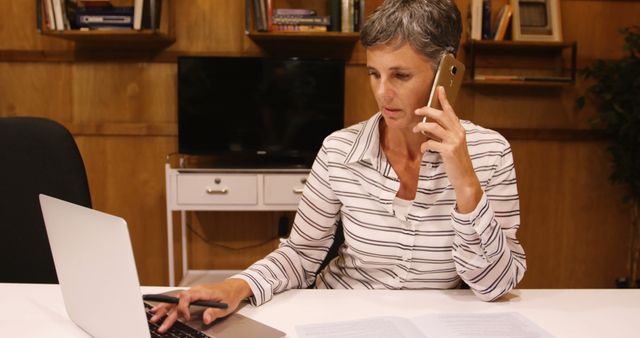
column 217, row 189
column 283, row 189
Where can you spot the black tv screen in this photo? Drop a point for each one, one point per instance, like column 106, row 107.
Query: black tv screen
column 251, row 111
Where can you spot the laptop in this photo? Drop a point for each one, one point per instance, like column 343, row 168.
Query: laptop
column 97, row 274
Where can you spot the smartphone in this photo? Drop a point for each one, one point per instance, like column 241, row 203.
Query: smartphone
column 449, row 75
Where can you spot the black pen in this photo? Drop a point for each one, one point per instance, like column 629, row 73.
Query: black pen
column 174, row 300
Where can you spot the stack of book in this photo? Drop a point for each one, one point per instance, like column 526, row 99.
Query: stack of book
column 299, row 19
column 103, row 15
column 480, row 21
column 345, row 16
column 60, row 15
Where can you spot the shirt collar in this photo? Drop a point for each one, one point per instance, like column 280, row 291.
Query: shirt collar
column 367, row 148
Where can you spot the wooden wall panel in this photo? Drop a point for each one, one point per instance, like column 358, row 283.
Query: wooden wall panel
column 126, row 178
column 209, row 26
column 573, row 225
column 18, row 28
column 124, row 92
column 39, row 89
column 595, row 24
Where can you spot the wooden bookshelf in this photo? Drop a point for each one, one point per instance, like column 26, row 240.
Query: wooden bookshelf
column 162, row 36
column 521, row 59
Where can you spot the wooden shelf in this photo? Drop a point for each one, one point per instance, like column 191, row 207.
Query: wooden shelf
column 521, row 59
column 486, row 45
column 518, row 83
column 117, row 38
column 128, row 37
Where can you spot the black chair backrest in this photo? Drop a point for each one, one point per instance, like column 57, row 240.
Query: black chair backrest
column 37, row 155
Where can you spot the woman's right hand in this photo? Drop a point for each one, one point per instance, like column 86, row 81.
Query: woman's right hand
column 232, row 291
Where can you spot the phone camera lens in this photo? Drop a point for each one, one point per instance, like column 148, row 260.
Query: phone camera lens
column 454, row 70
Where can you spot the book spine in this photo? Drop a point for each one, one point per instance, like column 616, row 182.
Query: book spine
column 257, row 16
column 344, row 16
column 297, row 20
column 476, row 19
column 57, row 11
column 51, row 20
column 269, row 13
column 137, row 14
column 299, row 28
column 334, row 11
column 293, row 11
column 486, row 19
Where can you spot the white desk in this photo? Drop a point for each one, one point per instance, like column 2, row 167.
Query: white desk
column 30, row 310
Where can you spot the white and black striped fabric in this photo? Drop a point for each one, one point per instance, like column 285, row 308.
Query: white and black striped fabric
column 433, row 248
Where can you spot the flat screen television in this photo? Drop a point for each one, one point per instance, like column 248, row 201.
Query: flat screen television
column 258, row 112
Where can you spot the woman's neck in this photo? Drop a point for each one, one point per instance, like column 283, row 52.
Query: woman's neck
column 401, row 142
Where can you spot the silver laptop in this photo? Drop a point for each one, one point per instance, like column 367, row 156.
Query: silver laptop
column 99, row 281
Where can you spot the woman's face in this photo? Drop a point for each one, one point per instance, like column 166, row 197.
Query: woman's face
column 401, row 80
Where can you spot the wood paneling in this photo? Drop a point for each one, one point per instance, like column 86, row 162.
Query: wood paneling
column 595, row 25
column 209, row 25
column 40, row 89
column 121, row 106
column 573, row 224
column 126, row 176
column 137, row 92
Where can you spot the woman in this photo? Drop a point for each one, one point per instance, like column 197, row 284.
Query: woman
column 424, row 205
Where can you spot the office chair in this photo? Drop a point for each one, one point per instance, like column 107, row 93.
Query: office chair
column 36, row 156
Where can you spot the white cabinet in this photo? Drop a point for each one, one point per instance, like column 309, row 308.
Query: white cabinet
column 217, row 189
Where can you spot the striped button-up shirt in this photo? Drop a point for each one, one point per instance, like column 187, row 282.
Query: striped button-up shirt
column 433, row 248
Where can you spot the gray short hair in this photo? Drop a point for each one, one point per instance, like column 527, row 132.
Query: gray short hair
column 432, row 27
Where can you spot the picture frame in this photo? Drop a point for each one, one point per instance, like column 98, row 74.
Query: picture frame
column 536, row 20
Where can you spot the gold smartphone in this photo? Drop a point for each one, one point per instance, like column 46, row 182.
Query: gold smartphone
column 449, row 75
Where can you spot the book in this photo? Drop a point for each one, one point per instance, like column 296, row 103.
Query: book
column 294, row 11
column 298, row 20
column 48, row 12
column 345, row 23
column 334, row 11
column 151, row 12
column 137, row 14
column 486, row 20
column 269, row 13
column 105, row 16
column 502, row 22
column 475, row 14
column 260, row 15
column 57, row 12
column 299, row 28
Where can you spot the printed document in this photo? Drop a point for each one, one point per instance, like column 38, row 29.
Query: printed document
column 437, row 325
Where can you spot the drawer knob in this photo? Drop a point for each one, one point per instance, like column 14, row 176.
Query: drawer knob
column 222, row 191
column 297, row 190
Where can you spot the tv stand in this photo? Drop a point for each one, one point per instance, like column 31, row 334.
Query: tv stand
column 215, row 189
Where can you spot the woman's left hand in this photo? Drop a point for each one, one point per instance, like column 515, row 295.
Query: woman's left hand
column 447, row 136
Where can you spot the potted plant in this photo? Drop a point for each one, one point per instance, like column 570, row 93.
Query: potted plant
column 616, row 95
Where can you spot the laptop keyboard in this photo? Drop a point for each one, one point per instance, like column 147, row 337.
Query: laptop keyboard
column 178, row 330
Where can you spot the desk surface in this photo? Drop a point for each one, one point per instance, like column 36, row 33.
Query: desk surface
column 30, row 310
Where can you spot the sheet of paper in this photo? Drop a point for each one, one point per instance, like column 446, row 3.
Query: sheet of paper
column 479, row 325
column 375, row 327
column 440, row 325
